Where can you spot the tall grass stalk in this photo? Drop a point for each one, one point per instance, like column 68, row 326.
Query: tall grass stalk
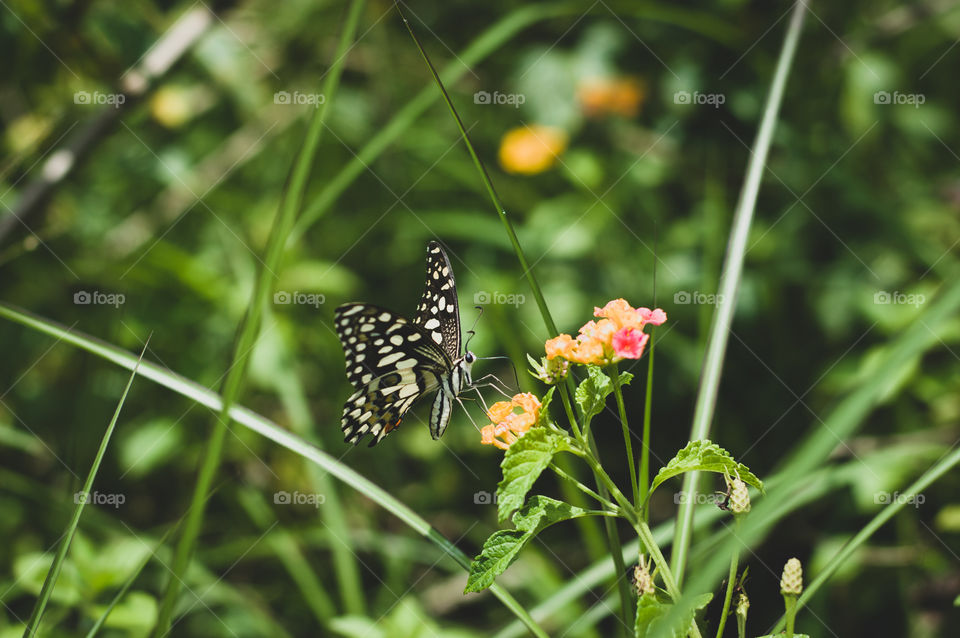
column 291, row 201
column 53, row 573
column 730, row 282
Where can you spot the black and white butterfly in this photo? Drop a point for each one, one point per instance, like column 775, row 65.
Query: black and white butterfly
column 393, row 362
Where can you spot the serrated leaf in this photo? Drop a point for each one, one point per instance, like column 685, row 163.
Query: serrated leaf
column 592, row 393
column 502, row 548
column 704, row 456
column 651, row 613
column 523, row 463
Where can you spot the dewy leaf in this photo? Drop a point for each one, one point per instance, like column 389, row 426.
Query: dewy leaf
column 522, row 464
column 651, row 611
column 704, row 456
column 592, row 393
column 502, row 547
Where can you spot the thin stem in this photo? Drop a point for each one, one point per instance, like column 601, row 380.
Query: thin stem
column 81, row 498
column 488, row 183
column 790, row 605
column 731, row 577
column 627, row 443
column 730, row 281
column 568, row 408
column 643, row 480
column 583, row 488
column 663, row 567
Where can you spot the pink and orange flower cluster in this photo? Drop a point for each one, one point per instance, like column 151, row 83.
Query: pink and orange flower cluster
column 507, row 425
column 616, row 336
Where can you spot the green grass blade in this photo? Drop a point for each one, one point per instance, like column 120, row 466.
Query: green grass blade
column 269, row 430
column 51, row 580
column 730, row 282
column 290, row 203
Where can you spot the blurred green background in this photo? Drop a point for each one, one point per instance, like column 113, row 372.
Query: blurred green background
column 652, row 108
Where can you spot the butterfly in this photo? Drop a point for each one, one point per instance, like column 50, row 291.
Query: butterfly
column 392, row 362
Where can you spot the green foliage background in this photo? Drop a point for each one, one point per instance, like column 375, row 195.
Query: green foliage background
column 859, row 200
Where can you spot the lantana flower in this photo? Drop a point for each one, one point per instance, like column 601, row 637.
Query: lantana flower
column 616, row 336
column 507, row 425
column 611, row 95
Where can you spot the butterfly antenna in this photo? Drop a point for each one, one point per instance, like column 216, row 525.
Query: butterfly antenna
column 471, row 332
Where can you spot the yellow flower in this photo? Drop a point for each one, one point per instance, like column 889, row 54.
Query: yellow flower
column 528, row 150
column 507, row 426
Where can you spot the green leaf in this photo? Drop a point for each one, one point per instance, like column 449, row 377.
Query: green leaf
column 522, row 464
column 545, row 407
column 651, row 611
column 704, row 456
column 501, row 549
column 592, row 393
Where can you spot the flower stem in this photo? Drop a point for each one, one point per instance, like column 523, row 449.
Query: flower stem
column 731, row 577
column 643, row 480
column 583, row 488
column 790, row 604
column 651, row 547
column 627, row 443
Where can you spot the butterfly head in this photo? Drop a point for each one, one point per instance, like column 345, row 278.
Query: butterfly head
column 467, row 363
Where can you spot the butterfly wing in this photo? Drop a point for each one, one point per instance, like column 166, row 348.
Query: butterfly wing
column 390, row 362
column 438, row 313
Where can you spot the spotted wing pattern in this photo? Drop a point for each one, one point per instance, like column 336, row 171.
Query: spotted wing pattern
column 390, row 362
column 437, row 313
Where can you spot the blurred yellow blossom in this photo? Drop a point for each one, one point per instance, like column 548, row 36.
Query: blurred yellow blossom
column 528, row 150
